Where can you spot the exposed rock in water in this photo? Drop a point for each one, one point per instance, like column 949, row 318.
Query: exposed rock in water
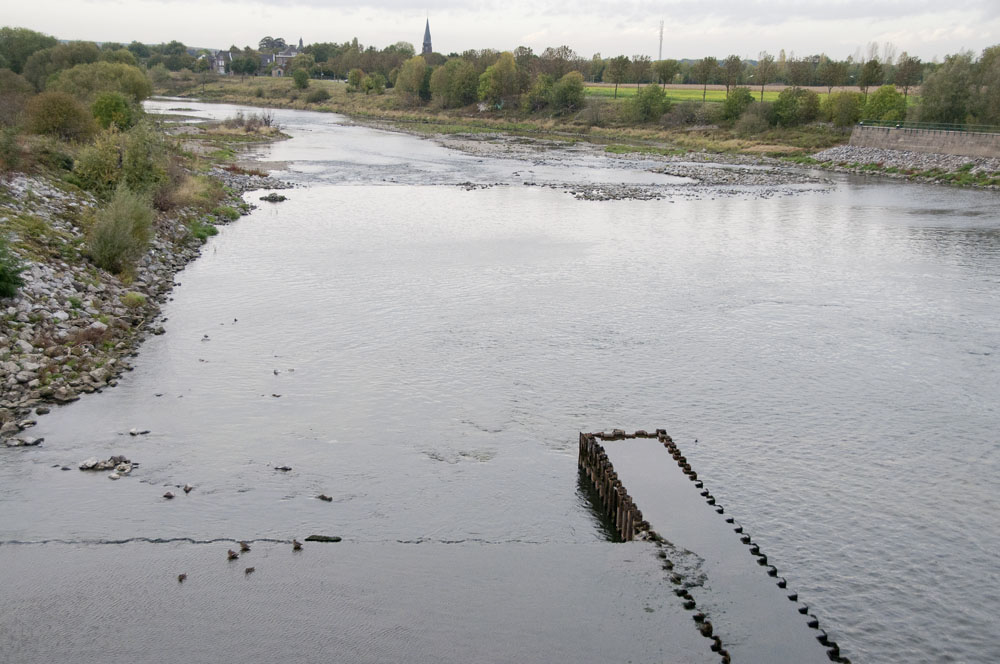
column 323, row 538
column 273, row 198
column 93, row 463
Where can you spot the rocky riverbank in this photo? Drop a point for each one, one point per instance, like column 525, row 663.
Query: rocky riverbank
column 72, row 328
column 945, row 168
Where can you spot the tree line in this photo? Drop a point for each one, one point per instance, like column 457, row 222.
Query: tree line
column 963, row 88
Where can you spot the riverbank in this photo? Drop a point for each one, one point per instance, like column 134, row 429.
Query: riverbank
column 815, row 145
column 72, row 327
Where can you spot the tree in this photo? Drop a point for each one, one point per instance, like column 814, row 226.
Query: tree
column 871, row 74
column 640, row 68
column 666, row 70
column 499, row 83
column 89, row 80
column 617, row 70
column 796, row 106
column 736, row 103
column 17, row 45
column 411, row 78
column 766, row 70
column 301, row 78
column 555, row 62
column 244, row 66
column 908, row 70
column 843, row 109
column 732, row 72
column 454, row 84
column 986, row 100
column 703, row 70
column 832, row 74
column 946, row 94
column 886, row 105
column 799, row 71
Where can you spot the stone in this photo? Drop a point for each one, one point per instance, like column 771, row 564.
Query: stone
column 60, row 315
column 24, row 346
column 42, row 410
column 323, row 538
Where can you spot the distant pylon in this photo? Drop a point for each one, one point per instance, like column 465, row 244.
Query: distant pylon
column 661, row 41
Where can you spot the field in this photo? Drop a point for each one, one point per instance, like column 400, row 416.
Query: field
column 675, row 93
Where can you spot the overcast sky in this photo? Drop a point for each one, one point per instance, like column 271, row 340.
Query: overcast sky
column 692, row 28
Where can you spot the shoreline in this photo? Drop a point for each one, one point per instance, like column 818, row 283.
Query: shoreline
column 72, row 328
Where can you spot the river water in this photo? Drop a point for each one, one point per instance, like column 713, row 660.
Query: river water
column 425, row 354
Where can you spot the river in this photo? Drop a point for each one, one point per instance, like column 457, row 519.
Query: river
column 426, row 353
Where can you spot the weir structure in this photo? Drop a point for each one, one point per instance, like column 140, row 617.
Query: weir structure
column 738, row 601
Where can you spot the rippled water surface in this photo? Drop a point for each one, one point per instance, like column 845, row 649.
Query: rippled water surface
column 426, row 354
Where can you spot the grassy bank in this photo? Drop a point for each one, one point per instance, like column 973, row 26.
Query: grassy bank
column 601, row 120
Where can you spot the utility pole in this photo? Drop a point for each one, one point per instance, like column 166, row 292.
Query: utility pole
column 661, row 41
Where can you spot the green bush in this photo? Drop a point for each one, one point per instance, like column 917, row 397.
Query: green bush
column 10, row 270
column 885, row 105
column 538, row 95
column 567, row 93
column 98, row 166
column 121, row 231
column 144, row 162
column 134, row 300
column 317, row 95
column 201, row 229
column 354, row 78
column 10, row 151
column 112, row 108
column 796, row 106
column 647, row 106
column 738, row 101
column 301, row 78
column 14, row 94
column 59, row 114
column 88, row 81
column 373, row 83
column 843, row 109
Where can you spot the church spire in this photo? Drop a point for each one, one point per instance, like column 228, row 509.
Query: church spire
column 427, row 39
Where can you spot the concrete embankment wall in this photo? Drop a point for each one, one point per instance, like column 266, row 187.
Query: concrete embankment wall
column 927, row 140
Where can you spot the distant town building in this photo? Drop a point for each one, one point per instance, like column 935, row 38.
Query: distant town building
column 427, row 49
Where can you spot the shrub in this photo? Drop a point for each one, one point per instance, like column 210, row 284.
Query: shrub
column 258, row 92
column 88, row 81
column 10, row 151
column 10, row 270
column 354, row 79
column 121, row 231
column 843, row 109
column 796, row 106
column 59, row 114
column 98, row 166
column 317, row 95
column 112, row 108
column 685, row 113
column 755, row 120
column 144, row 159
column 885, row 105
column 201, row 230
column 454, row 84
column 301, row 78
column 648, row 105
column 16, row 92
column 134, row 300
column 373, row 83
column 567, row 93
column 226, row 212
column 538, row 96
column 738, row 101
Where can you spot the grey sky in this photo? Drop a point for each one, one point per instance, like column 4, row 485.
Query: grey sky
column 692, row 29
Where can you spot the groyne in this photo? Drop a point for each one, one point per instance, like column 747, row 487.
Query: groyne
column 740, row 602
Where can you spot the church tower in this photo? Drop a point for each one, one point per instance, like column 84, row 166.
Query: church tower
column 428, row 49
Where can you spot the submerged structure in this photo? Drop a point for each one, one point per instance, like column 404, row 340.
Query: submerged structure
column 738, row 601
